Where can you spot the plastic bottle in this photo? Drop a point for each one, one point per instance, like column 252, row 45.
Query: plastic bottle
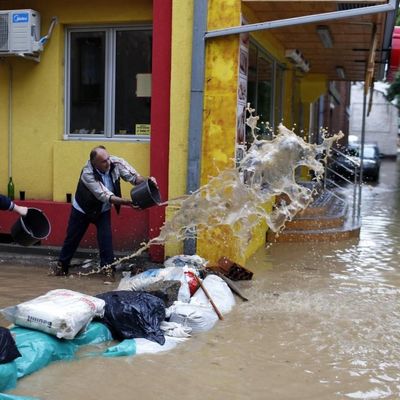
column 10, row 189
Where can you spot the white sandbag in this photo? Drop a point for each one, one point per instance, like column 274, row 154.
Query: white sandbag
column 175, row 330
column 61, row 312
column 144, row 346
column 218, row 290
column 198, row 317
column 184, row 260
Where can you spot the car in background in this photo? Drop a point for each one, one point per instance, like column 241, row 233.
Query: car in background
column 371, row 162
column 346, row 162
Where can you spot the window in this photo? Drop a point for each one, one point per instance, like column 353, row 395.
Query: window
column 108, row 82
column 264, row 91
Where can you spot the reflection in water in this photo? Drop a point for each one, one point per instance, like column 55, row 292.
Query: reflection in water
column 323, row 322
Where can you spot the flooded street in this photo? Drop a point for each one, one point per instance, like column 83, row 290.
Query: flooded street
column 322, row 322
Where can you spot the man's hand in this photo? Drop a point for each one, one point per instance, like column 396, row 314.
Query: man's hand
column 153, row 179
column 123, row 202
column 21, row 210
column 140, row 179
column 120, row 201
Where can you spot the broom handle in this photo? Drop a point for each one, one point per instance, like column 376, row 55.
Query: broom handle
column 209, row 297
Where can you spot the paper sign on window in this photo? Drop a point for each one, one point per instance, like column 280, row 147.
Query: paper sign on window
column 143, row 85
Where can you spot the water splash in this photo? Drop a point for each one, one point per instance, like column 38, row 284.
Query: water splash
column 238, row 197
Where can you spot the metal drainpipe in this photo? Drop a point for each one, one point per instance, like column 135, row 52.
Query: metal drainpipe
column 364, row 114
column 10, row 78
column 200, row 8
column 200, row 34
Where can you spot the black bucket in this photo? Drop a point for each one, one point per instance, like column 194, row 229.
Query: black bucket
column 31, row 228
column 146, row 194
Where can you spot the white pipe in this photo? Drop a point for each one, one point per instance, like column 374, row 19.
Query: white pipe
column 45, row 38
column 10, row 116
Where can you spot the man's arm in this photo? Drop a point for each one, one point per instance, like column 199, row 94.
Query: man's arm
column 7, row 204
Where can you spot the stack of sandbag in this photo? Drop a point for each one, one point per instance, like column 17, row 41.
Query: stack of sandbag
column 61, row 312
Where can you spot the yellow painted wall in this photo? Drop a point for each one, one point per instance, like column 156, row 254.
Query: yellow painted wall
column 312, row 86
column 181, row 53
column 219, row 127
column 221, row 90
column 43, row 164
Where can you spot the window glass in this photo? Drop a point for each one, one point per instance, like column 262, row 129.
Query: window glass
column 133, row 65
column 87, row 83
column 278, row 103
column 108, row 82
column 264, row 96
column 264, row 91
column 252, row 77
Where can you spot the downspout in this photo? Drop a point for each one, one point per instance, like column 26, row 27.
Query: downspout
column 10, row 116
column 200, row 8
column 369, row 71
column 200, row 34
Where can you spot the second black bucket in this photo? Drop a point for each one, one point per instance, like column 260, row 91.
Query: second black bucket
column 146, row 194
column 31, row 228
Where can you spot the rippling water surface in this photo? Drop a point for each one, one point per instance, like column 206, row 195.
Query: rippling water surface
column 323, row 322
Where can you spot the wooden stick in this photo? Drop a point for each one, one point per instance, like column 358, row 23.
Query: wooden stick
column 209, row 297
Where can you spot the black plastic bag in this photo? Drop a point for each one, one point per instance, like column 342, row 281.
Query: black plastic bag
column 8, row 348
column 129, row 314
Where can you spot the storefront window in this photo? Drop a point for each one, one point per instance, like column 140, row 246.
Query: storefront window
column 264, row 91
column 108, row 81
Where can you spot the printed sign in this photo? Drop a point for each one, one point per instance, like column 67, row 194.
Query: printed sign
column 142, row 129
column 20, row 18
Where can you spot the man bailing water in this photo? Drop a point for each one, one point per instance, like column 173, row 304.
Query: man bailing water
column 98, row 188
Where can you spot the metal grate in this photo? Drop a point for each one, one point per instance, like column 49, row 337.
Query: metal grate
column 4, row 32
column 352, row 6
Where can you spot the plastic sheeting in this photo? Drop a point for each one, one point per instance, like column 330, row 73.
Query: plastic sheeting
column 38, row 349
column 129, row 314
column 13, row 397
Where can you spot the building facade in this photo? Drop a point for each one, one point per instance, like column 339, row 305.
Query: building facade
column 120, row 74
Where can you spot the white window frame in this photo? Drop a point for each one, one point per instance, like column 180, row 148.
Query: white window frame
column 109, row 101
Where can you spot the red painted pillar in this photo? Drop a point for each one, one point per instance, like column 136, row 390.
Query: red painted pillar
column 160, row 114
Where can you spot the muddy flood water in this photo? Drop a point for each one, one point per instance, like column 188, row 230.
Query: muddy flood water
column 322, row 322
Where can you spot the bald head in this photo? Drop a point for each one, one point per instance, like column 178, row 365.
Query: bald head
column 100, row 158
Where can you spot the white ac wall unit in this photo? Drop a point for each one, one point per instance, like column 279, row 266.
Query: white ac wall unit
column 19, row 32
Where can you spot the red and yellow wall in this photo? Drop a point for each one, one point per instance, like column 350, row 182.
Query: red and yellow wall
column 46, row 166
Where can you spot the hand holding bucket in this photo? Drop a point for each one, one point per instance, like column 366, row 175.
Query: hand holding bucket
column 146, row 194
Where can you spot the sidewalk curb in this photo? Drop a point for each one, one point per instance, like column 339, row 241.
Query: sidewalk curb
column 39, row 255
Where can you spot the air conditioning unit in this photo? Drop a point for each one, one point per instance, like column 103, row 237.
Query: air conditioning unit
column 19, row 32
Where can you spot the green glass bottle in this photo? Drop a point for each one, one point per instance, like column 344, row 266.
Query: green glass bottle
column 10, row 189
